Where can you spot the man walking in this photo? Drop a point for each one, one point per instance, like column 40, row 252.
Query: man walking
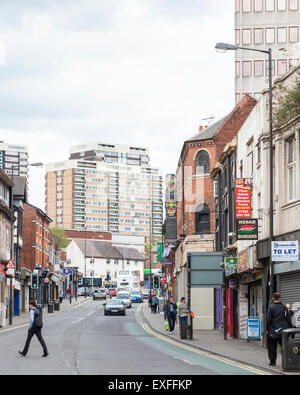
column 277, row 321
column 35, row 328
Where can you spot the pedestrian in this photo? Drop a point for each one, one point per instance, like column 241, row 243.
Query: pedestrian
column 277, row 321
column 291, row 318
column 182, row 311
column 35, row 328
column 61, row 295
column 150, row 300
column 170, row 313
column 69, row 293
column 154, row 304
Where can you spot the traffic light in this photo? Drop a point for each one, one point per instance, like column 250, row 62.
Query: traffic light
column 156, row 281
column 34, row 280
column 71, row 278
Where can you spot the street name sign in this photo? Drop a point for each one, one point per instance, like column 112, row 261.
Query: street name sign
column 285, row 251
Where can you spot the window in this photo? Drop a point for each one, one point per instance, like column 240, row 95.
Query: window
column 282, row 35
column 273, row 67
column 270, row 5
column 237, row 69
column 258, row 5
column 237, row 37
column 246, row 36
column 258, row 68
column 247, row 69
column 202, row 219
column 293, row 63
column 202, row 163
column 237, row 6
column 291, row 168
column 293, row 34
column 258, row 36
column 293, row 5
column 281, row 66
column 237, row 97
column 270, row 35
column 246, row 5
column 281, row 5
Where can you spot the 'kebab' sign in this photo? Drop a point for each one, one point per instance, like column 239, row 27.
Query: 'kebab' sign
column 247, row 229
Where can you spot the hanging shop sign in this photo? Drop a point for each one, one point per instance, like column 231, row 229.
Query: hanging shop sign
column 243, row 261
column 247, row 229
column 285, row 251
column 231, row 263
column 243, row 202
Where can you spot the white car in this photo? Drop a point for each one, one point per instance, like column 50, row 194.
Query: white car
column 125, row 296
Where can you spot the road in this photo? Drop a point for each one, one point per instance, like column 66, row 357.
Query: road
column 83, row 341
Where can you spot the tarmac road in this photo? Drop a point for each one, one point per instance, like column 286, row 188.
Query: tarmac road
column 83, row 341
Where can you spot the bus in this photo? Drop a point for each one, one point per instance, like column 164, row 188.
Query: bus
column 127, row 279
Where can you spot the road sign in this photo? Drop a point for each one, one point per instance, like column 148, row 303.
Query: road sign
column 285, row 251
column 10, row 265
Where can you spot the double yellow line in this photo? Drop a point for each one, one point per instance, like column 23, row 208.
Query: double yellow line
column 205, row 353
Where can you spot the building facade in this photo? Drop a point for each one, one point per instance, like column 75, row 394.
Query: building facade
column 264, row 25
column 111, row 193
column 14, row 159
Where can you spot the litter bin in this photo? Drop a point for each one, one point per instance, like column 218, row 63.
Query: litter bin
column 50, row 306
column 291, row 350
column 56, row 305
column 183, row 327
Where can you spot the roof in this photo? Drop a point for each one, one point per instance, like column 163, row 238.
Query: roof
column 209, row 132
column 104, row 249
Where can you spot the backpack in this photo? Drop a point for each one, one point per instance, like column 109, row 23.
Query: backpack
column 38, row 322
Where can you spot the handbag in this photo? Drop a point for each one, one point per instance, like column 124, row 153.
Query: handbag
column 276, row 334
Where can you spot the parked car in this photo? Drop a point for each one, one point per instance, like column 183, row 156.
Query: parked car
column 99, row 294
column 115, row 307
column 81, row 291
column 136, row 297
column 125, row 296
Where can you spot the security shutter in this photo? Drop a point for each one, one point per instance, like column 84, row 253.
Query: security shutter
column 290, row 288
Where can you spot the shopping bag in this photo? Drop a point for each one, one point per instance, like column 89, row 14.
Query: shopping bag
column 167, row 325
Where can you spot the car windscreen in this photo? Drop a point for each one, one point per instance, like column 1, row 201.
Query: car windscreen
column 114, row 302
column 122, row 296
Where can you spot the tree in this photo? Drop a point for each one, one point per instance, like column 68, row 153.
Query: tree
column 63, row 240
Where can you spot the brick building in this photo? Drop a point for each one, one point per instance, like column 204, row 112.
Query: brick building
column 5, row 235
column 195, row 203
column 36, row 240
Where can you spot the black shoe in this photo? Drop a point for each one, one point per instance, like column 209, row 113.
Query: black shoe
column 21, row 352
column 45, row 355
column 272, row 364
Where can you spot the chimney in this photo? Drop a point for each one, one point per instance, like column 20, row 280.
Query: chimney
column 201, row 128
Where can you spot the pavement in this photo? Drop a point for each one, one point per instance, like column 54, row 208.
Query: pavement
column 23, row 318
column 212, row 341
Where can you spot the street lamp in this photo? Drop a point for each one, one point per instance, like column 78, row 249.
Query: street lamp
column 38, row 164
column 223, row 47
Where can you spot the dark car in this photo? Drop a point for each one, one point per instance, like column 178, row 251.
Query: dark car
column 115, row 307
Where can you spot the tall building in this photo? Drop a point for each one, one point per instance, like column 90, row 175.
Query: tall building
column 106, row 187
column 264, row 24
column 14, row 158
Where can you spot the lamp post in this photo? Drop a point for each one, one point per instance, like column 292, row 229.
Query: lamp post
column 38, row 164
column 229, row 47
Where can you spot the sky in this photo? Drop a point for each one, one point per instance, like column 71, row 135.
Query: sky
column 141, row 72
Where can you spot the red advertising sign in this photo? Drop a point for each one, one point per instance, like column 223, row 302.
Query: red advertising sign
column 243, row 202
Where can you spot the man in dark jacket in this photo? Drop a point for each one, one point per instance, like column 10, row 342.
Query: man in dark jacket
column 35, row 328
column 170, row 311
column 277, row 321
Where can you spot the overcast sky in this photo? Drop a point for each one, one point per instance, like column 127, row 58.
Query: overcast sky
column 142, row 72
